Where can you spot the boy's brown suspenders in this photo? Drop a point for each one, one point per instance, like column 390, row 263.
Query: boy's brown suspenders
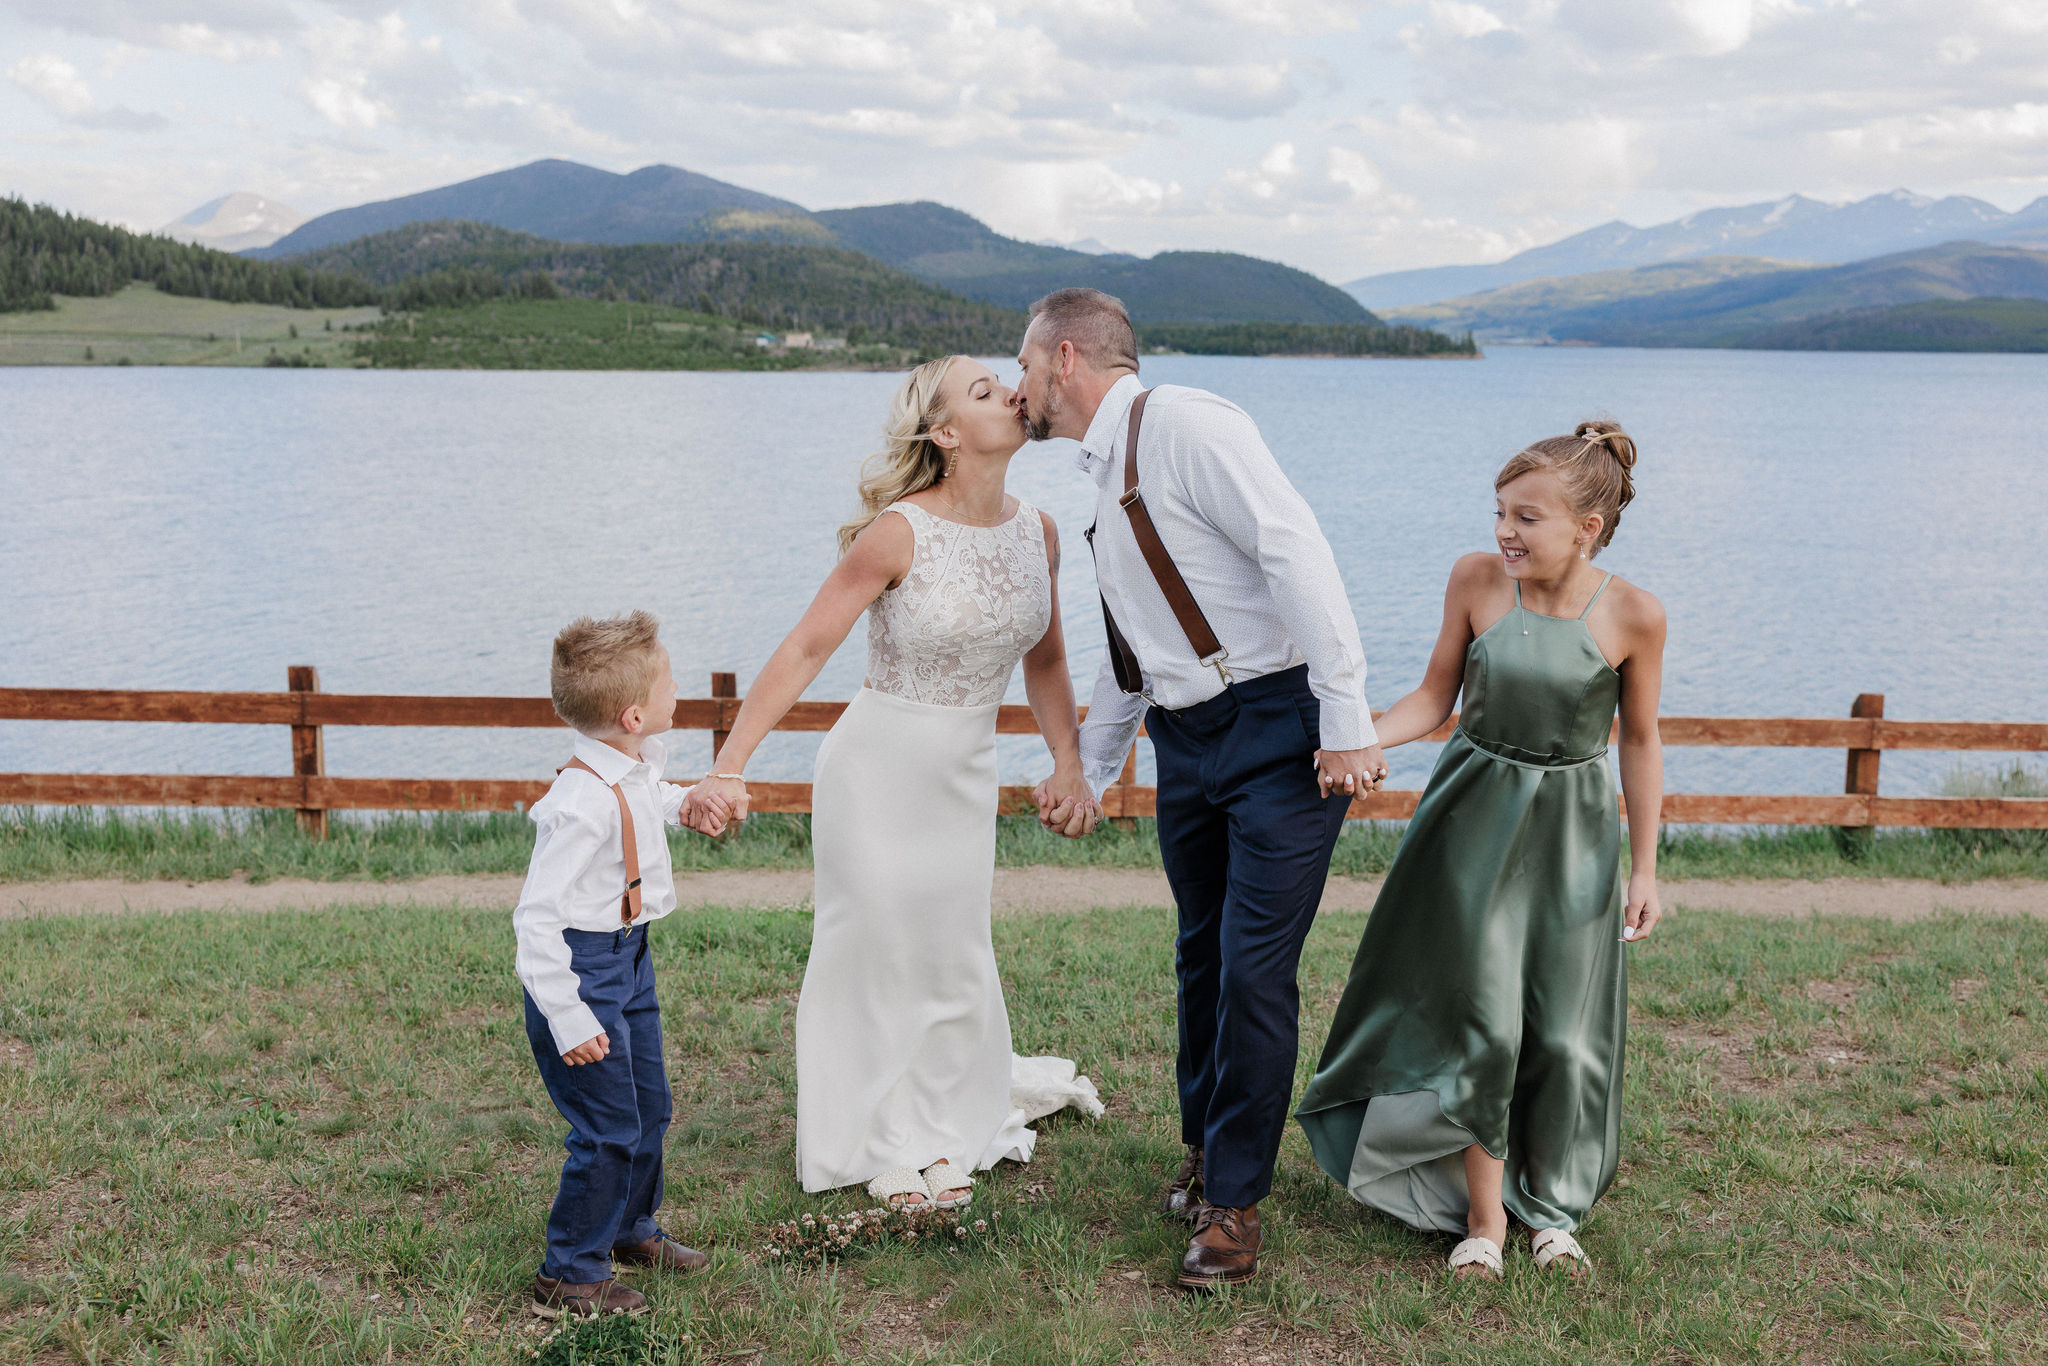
column 629, row 903
column 1209, row 652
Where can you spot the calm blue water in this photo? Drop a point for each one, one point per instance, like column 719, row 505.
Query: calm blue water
column 1817, row 525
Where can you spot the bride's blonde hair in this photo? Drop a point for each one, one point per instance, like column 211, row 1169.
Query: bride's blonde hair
column 909, row 459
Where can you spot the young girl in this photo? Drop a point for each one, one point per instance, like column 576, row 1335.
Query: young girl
column 1474, row 1065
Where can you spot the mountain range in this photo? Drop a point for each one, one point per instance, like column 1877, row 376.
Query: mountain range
column 234, row 222
column 1793, row 229
column 564, row 201
column 1734, row 301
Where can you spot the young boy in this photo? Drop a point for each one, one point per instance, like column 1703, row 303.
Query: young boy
column 600, row 875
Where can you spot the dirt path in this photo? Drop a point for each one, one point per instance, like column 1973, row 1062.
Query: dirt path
column 1017, row 890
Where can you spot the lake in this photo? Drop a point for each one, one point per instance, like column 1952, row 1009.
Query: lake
column 1818, row 525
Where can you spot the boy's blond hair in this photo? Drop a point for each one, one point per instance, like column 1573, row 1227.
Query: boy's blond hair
column 603, row 667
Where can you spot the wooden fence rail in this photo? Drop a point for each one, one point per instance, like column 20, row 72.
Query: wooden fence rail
column 1864, row 736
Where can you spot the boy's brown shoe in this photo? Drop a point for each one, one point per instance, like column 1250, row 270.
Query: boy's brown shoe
column 663, row 1253
column 553, row 1298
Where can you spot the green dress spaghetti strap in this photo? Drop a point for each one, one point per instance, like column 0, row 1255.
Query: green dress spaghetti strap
column 1489, row 996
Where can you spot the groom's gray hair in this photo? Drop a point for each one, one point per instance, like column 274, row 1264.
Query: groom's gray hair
column 1094, row 322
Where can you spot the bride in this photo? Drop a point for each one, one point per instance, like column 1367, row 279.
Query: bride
column 902, row 1038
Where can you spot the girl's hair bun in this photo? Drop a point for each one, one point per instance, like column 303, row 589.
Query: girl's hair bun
column 1610, row 435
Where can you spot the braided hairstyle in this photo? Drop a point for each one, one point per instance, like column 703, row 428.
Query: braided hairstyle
column 1593, row 464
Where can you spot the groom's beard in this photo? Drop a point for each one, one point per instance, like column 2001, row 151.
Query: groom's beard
column 1037, row 421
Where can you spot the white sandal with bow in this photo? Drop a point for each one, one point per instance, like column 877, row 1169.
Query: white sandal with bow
column 895, row 1187
column 1549, row 1244
column 943, row 1176
column 1481, row 1252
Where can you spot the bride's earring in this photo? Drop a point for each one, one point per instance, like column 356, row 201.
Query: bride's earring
column 952, row 463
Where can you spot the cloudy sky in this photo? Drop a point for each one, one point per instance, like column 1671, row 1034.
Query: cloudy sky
column 1345, row 138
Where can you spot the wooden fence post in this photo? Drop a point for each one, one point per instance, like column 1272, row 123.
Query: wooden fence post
column 722, row 685
column 309, row 749
column 1126, row 784
column 1861, row 778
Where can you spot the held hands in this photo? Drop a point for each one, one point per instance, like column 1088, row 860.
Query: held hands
column 1643, row 912
column 1350, row 772
column 713, row 804
column 1065, row 804
column 590, row 1050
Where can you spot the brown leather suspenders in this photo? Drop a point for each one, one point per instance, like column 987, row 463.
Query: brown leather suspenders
column 1208, row 650
column 629, row 901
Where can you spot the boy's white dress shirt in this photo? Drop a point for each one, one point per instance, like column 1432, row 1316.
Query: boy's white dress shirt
column 578, row 872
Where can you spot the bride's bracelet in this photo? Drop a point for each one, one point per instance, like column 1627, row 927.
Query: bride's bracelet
column 735, row 777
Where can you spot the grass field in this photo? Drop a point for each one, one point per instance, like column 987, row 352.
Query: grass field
column 301, row 1138
column 142, row 325
column 592, row 334
column 83, row 843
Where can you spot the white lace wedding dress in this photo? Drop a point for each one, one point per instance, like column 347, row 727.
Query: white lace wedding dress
column 902, row 1036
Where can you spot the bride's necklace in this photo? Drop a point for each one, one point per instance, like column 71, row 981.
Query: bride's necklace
column 971, row 521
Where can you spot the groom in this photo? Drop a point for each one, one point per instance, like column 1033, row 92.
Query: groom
column 1232, row 639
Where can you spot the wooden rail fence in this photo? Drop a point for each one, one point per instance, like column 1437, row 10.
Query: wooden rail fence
column 1864, row 735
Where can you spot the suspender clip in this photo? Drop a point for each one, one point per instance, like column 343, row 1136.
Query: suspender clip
column 1216, row 662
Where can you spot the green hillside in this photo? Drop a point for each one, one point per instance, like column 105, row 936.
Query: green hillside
column 950, row 248
column 468, row 295
column 587, row 334
column 1528, row 311
column 1937, row 325
column 771, row 284
column 1752, row 303
column 1302, row 339
column 44, row 253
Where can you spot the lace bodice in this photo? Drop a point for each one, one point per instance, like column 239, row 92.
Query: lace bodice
column 975, row 599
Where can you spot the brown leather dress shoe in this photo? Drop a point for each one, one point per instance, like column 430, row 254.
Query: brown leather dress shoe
column 1184, row 1192
column 552, row 1299
column 663, row 1253
column 1225, row 1248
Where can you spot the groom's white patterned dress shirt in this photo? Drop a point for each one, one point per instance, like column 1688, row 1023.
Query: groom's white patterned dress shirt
column 578, row 872
column 1252, row 555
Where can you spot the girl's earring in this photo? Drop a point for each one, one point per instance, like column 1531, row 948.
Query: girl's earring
column 1582, row 552
column 952, row 463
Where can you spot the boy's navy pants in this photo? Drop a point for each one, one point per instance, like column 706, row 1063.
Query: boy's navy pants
column 618, row 1109
column 1245, row 835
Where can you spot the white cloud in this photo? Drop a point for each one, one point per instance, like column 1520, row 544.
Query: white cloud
column 58, row 84
column 1718, row 25
column 55, row 82
column 1464, row 20
column 1345, row 137
column 344, row 100
column 1349, row 169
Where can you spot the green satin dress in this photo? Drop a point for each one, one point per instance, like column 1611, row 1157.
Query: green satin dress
column 1490, row 993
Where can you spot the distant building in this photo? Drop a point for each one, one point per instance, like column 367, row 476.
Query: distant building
column 797, row 341
column 831, row 343
column 764, row 339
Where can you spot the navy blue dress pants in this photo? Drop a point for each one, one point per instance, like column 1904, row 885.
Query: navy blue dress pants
column 1246, row 837
column 618, row 1109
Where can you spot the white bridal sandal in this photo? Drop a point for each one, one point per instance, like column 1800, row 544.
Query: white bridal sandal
column 1480, row 1252
column 944, row 1176
column 893, row 1186
column 1549, row 1244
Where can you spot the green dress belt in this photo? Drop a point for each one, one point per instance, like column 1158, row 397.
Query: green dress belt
column 1488, row 1000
